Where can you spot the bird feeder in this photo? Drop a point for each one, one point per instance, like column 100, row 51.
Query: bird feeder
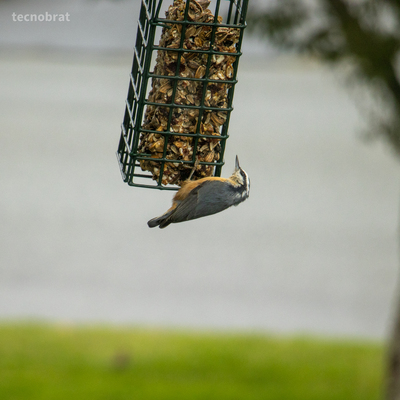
column 180, row 91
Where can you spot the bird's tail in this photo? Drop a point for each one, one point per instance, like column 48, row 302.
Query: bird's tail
column 161, row 221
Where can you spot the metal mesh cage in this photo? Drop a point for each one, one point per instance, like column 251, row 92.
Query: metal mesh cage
column 185, row 115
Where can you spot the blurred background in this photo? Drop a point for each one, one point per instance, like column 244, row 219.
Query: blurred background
column 313, row 250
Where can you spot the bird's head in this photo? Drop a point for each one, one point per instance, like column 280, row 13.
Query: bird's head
column 240, row 178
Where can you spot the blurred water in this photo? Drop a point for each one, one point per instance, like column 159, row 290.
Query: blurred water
column 313, row 249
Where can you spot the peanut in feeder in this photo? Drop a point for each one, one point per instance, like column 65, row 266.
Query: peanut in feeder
column 186, row 113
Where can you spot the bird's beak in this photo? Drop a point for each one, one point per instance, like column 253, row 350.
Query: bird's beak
column 237, row 166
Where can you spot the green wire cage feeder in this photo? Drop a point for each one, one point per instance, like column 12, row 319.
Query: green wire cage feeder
column 183, row 116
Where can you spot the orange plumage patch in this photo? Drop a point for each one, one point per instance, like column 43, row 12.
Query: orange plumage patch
column 188, row 186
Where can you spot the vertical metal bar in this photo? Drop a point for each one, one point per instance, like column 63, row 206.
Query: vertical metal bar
column 158, row 9
column 217, row 7
column 238, row 12
column 229, row 16
column 206, row 80
column 240, row 18
column 126, row 122
column 145, row 78
column 174, row 88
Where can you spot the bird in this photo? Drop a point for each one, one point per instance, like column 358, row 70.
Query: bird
column 206, row 196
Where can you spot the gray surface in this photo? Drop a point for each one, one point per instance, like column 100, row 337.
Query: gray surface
column 313, row 249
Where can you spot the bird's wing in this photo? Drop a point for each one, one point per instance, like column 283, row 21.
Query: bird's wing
column 187, row 207
column 203, row 200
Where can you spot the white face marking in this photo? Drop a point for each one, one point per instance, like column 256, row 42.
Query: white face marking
column 241, row 178
column 248, row 183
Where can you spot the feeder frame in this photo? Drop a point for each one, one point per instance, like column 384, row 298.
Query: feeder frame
column 131, row 127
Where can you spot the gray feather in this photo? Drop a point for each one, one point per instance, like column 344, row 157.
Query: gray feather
column 161, row 221
column 204, row 200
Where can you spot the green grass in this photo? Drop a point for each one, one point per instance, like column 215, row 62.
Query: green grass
column 68, row 362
